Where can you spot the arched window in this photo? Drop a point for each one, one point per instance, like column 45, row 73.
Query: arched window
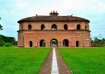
column 77, row 44
column 78, row 27
column 42, row 27
column 65, row 27
column 66, row 43
column 29, row 27
column 86, row 27
column 42, row 43
column 30, row 43
column 54, row 27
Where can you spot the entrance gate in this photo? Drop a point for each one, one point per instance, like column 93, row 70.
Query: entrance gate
column 54, row 43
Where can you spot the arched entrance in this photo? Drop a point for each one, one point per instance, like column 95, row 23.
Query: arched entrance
column 54, row 43
column 77, row 44
column 30, row 43
column 66, row 43
column 42, row 43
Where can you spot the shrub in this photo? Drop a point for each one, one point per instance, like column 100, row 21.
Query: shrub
column 2, row 42
column 7, row 44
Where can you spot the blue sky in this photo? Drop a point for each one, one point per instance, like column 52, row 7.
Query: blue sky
column 13, row 10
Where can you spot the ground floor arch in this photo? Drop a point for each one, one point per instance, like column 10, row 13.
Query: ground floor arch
column 42, row 43
column 30, row 44
column 77, row 43
column 65, row 43
column 53, row 42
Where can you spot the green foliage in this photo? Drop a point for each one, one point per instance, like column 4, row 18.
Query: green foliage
column 1, row 42
column 7, row 41
column 8, row 45
column 84, row 60
column 22, row 60
column 98, row 42
column 1, row 27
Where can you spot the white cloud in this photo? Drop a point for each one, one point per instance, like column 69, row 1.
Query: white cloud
column 21, row 3
column 80, row 5
column 62, row 6
column 17, row 9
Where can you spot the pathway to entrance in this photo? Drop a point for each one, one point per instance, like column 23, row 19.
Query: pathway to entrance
column 54, row 67
column 54, row 64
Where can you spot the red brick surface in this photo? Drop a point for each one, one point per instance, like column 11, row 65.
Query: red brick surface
column 35, row 35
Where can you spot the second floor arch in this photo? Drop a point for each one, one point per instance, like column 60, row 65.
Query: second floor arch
column 78, row 27
column 42, row 27
column 29, row 27
column 54, row 27
column 65, row 27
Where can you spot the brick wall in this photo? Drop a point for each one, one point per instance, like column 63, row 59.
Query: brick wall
column 72, row 35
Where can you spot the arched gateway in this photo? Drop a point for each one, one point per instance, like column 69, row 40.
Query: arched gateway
column 54, row 43
column 54, row 30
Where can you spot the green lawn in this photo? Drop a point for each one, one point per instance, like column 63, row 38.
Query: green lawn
column 22, row 60
column 84, row 60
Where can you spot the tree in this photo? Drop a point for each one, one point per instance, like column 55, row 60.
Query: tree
column 98, row 42
column 1, row 27
column 7, row 41
column 1, row 42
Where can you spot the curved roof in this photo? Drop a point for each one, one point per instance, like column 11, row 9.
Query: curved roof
column 53, row 19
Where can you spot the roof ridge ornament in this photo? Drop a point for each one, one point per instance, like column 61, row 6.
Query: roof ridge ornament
column 36, row 14
column 54, row 13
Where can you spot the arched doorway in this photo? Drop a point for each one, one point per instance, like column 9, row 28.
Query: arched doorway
column 42, row 43
column 66, row 43
column 77, row 43
column 54, row 43
column 30, row 43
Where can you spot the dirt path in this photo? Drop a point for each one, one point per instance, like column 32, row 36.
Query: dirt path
column 47, row 66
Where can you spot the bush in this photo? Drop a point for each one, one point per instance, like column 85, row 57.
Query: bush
column 7, row 41
column 2, row 42
column 98, row 42
column 7, row 44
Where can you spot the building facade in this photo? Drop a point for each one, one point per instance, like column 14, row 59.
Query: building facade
column 54, row 30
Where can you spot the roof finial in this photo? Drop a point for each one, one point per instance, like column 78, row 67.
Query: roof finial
column 36, row 14
column 54, row 13
column 71, row 15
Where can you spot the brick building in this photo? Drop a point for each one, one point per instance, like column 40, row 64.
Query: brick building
column 54, row 30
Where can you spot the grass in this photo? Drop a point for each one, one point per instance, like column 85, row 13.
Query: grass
column 84, row 60
column 22, row 60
